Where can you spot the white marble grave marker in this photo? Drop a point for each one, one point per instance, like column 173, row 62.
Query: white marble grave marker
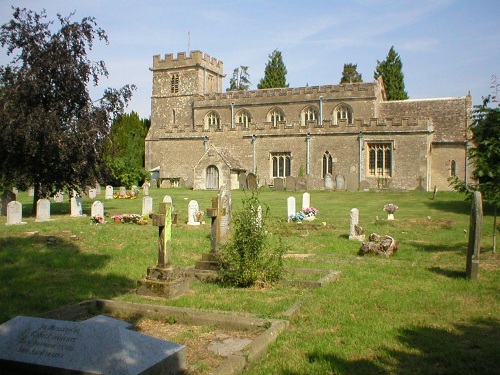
column 76, row 206
column 167, row 199
column 97, row 209
column 31, row 191
column 59, row 197
column 306, row 200
column 92, row 193
column 290, row 202
column 15, row 213
column 42, row 210
column 147, row 205
column 193, row 208
column 123, row 191
column 109, row 192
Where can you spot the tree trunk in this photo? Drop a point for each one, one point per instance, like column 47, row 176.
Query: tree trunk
column 36, row 193
column 495, row 230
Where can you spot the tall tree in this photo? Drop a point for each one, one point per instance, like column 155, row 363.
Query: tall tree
column 391, row 70
column 51, row 131
column 350, row 74
column 124, row 152
column 485, row 156
column 240, row 80
column 274, row 73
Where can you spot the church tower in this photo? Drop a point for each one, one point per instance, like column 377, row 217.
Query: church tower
column 175, row 84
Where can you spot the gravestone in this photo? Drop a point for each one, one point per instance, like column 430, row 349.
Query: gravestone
column 153, row 184
column 355, row 231
column 225, row 223
column 59, row 197
column 7, row 197
column 100, row 345
column 278, row 184
column 123, row 191
column 193, row 208
column 76, row 206
column 134, row 191
column 97, row 209
column 189, row 183
column 306, row 200
column 109, row 192
column 165, row 184
column 364, row 185
column 340, row 182
column 42, row 210
column 475, row 232
column 161, row 280
column 15, row 213
column 145, row 188
column 98, row 188
column 420, row 186
column 301, row 184
column 328, row 182
column 251, row 181
column 291, row 207
column 290, row 182
column 92, row 193
column 31, row 191
column 147, row 205
column 167, row 199
column 352, row 182
column 242, row 179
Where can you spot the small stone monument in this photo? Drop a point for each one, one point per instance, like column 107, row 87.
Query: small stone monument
column 278, row 184
column 251, row 181
column 15, row 213
column 145, row 188
column 355, row 231
column 43, row 210
column 59, row 197
column 475, row 232
column 306, row 200
column 340, row 182
column 31, row 191
column 76, row 206
column 242, row 180
column 123, row 191
column 153, row 184
column 225, row 223
column 193, row 208
column 161, row 280
column 98, row 188
column 328, row 182
column 300, row 184
column 109, row 192
column 97, row 209
column 92, row 193
column 167, row 199
column 147, row 205
column 290, row 182
column 290, row 202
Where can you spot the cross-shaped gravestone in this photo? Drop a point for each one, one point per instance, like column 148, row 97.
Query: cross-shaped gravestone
column 216, row 212
column 163, row 220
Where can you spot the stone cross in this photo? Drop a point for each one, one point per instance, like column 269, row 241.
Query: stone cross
column 216, row 212
column 475, row 231
column 163, row 220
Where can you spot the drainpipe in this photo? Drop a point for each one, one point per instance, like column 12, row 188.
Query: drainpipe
column 205, row 143
column 466, row 164
column 308, row 148
column 360, row 165
column 254, row 142
column 232, row 115
column 320, row 111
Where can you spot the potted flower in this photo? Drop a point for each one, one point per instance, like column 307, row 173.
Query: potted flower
column 310, row 213
column 390, row 209
column 117, row 218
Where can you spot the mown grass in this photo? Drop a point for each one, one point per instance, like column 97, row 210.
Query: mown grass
column 411, row 313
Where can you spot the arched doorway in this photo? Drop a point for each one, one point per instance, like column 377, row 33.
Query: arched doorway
column 212, row 180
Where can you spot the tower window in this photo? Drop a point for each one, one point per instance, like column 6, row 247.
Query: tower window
column 174, row 83
column 342, row 113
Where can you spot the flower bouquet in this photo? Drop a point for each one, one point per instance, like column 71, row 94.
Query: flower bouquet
column 390, row 209
column 307, row 214
column 97, row 219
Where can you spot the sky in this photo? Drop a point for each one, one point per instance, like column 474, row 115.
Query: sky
column 448, row 47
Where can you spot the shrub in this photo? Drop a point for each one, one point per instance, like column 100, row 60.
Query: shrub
column 248, row 258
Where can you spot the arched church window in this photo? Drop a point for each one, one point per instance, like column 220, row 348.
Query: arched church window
column 243, row 117
column 342, row 114
column 275, row 116
column 212, row 119
column 327, row 164
column 453, row 168
column 308, row 114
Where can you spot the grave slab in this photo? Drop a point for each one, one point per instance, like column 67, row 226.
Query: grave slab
column 39, row 345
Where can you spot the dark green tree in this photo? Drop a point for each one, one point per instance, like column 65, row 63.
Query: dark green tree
column 274, row 73
column 391, row 71
column 124, row 152
column 350, row 74
column 51, row 131
column 485, row 156
column 240, row 80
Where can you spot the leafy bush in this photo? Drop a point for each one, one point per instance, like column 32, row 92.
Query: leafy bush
column 248, row 258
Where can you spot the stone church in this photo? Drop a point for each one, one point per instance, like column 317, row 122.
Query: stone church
column 203, row 137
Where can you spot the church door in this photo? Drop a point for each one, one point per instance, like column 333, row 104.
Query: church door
column 212, row 180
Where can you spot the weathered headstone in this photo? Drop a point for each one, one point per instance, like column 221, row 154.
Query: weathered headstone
column 145, row 188
column 59, row 197
column 328, row 182
column 123, row 191
column 291, row 207
column 242, row 179
column 193, row 208
column 225, row 223
column 161, row 280
column 278, row 184
column 15, row 213
column 290, row 182
column 109, row 192
column 92, row 193
column 76, row 206
column 153, row 184
column 100, row 345
column 355, row 231
column 189, row 182
column 147, row 205
column 167, row 199
column 98, row 188
column 340, row 182
column 43, row 210
column 420, row 186
column 97, row 209
column 165, row 184
column 301, row 184
column 31, row 191
column 364, row 185
column 7, row 197
column 475, row 232
column 251, row 181
column 306, row 200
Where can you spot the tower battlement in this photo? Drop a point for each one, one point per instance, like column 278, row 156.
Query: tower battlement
column 184, row 60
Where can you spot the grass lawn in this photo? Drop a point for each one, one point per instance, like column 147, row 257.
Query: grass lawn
column 413, row 313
